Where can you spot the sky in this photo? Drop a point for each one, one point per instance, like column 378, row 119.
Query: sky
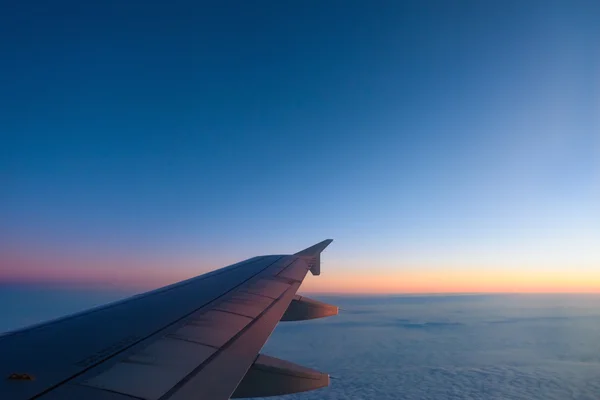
column 444, row 146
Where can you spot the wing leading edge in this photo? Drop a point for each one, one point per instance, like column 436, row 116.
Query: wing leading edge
column 197, row 339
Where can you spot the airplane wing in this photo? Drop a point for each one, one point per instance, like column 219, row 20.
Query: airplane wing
column 196, row 339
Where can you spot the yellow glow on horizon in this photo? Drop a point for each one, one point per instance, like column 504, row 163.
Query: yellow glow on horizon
column 440, row 280
column 339, row 276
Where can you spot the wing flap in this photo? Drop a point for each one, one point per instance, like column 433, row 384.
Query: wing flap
column 303, row 308
column 248, row 304
column 213, row 328
column 234, row 359
column 267, row 287
column 151, row 372
column 270, row 376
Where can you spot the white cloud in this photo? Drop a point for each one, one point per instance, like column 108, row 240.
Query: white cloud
column 464, row 347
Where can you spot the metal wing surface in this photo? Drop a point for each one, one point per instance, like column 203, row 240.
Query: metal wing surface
column 196, row 339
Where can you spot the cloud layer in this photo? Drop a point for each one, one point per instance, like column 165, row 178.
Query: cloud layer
column 451, row 347
column 413, row 347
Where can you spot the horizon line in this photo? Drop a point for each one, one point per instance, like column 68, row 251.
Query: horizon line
column 87, row 285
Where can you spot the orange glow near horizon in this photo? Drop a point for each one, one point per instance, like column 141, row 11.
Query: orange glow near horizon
column 444, row 280
column 142, row 274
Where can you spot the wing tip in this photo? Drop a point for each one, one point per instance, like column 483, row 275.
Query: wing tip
column 315, row 249
column 314, row 254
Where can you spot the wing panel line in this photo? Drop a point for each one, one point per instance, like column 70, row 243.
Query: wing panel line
column 46, row 391
column 199, row 368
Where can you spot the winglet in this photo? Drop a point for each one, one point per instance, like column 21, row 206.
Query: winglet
column 313, row 255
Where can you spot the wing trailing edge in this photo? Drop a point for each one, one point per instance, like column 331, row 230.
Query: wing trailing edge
column 303, row 308
column 270, row 376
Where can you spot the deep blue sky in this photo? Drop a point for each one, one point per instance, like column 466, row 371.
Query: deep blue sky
column 438, row 134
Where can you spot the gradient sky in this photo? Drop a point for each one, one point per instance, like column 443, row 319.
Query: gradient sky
column 445, row 146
